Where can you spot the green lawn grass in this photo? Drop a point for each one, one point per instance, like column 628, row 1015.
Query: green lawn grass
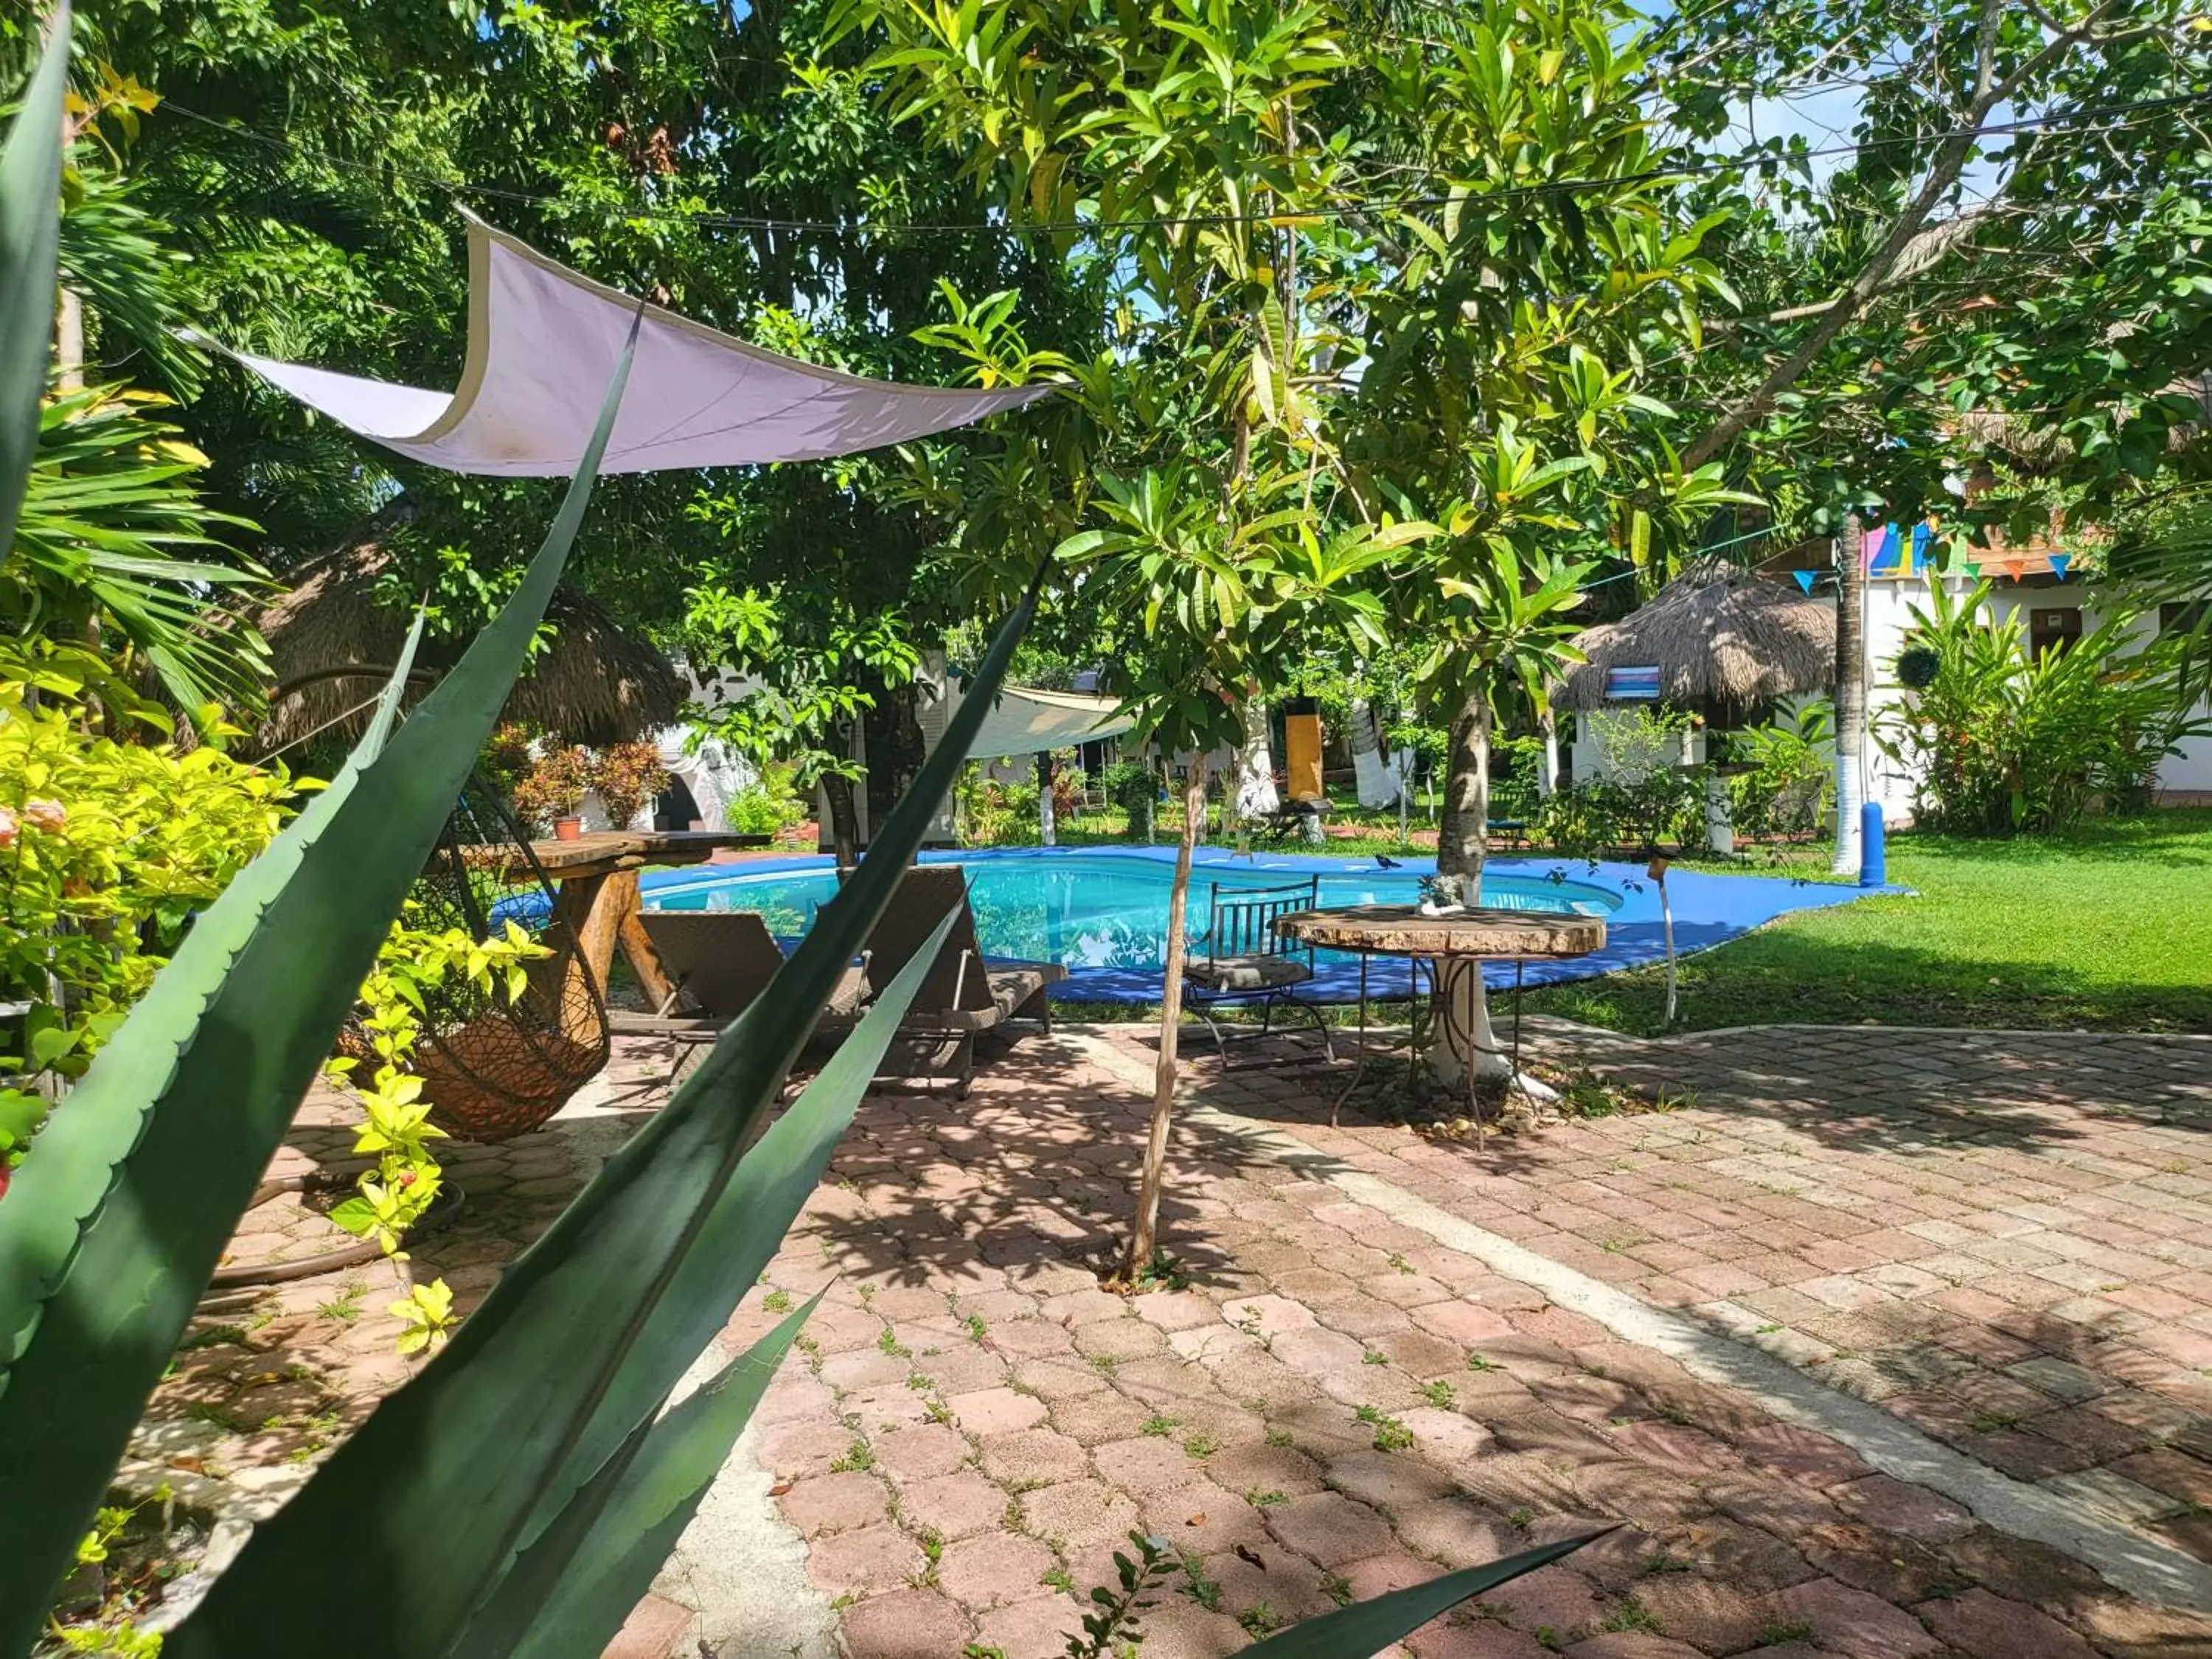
column 2109, row 928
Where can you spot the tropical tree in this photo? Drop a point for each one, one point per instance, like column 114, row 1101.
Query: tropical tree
column 818, row 661
column 109, row 546
column 311, row 171
column 1229, row 594
column 114, row 547
column 1505, row 319
column 2004, row 231
column 1192, row 474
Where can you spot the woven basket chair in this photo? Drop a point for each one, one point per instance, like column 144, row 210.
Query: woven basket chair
column 492, row 1069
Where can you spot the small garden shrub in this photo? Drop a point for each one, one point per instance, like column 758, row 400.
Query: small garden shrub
column 1783, row 793
column 107, row 850
column 767, row 806
column 2001, row 741
column 1134, row 787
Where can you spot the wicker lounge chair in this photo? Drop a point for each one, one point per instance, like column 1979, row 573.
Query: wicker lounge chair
column 963, row 994
column 719, row 962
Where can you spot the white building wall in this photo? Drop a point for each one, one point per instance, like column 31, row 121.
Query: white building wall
column 1890, row 602
column 1591, row 753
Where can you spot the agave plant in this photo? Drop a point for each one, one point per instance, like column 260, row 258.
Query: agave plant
column 518, row 1494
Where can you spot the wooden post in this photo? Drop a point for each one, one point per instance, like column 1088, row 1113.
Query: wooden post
column 601, row 913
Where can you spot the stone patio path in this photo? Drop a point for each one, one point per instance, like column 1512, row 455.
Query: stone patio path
column 2001, row 1238
column 1336, row 1403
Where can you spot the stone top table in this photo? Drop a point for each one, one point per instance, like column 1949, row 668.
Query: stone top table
column 1401, row 930
column 598, row 897
column 1460, row 943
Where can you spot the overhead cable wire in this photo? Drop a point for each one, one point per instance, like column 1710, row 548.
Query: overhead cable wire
column 2069, row 120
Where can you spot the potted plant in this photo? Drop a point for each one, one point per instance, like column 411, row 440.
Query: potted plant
column 553, row 789
column 627, row 776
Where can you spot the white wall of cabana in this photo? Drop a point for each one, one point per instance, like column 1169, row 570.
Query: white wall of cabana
column 2050, row 608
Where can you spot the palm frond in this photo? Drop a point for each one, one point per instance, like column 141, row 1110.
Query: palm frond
column 113, row 536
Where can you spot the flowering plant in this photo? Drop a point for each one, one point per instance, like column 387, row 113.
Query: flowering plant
column 627, row 776
column 395, row 1126
column 554, row 787
column 107, row 850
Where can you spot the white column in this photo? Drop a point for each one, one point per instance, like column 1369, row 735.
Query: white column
column 1850, row 697
column 1720, row 826
column 938, row 700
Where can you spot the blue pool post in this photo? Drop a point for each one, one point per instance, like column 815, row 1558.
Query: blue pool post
column 1871, row 872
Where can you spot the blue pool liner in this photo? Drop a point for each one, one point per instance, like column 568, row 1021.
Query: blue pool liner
column 1710, row 908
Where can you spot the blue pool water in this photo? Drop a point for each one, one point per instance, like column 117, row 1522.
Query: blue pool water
column 1102, row 913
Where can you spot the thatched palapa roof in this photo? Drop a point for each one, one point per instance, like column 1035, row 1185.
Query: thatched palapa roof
column 2041, row 450
column 596, row 683
column 1720, row 637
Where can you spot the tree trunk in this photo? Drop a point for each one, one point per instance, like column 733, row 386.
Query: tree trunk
column 844, row 824
column 1256, row 767
column 1850, row 697
column 1144, row 1238
column 1377, row 783
column 1720, row 817
column 1462, row 845
column 1547, row 781
column 1462, row 840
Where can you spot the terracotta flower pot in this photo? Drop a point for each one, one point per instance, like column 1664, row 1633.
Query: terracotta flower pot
column 568, row 828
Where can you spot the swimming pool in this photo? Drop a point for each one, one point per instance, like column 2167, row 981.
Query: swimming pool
column 1101, row 913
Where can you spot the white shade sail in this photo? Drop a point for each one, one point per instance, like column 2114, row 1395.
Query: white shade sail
column 543, row 345
column 1026, row 720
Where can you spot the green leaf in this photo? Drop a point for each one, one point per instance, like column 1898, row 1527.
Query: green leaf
column 48, row 1044
column 590, row 1329
column 119, row 1211
column 30, row 232
column 355, row 1215
column 20, row 1114
column 1368, row 1627
column 658, row 1495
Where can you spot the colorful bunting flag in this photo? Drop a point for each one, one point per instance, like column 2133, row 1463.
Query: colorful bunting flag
column 1804, row 578
column 2058, row 563
column 1883, row 549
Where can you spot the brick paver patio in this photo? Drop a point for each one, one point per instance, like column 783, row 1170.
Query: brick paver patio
column 1336, row 1404
column 2002, row 1238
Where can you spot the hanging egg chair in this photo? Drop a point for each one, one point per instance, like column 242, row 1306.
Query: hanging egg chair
column 491, row 1069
